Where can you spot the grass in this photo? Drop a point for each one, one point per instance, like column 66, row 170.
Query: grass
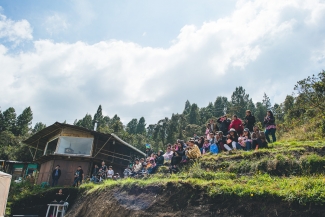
column 306, row 189
column 290, row 171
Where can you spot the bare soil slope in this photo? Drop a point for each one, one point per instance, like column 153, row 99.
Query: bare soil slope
column 181, row 200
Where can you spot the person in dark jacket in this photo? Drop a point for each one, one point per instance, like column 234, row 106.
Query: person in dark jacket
column 200, row 142
column 221, row 140
column 232, row 139
column 270, row 126
column 249, row 121
column 56, row 174
column 224, row 124
column 178, row 155
column 160, row 158
column 258, row 139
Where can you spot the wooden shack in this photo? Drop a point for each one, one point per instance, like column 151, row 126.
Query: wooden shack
column 71, row 146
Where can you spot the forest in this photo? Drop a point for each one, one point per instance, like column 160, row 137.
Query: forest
column 299, row 117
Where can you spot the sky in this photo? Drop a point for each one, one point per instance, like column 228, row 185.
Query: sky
column 146, row 58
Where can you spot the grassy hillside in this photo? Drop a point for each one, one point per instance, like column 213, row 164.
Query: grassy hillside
column 287, row 177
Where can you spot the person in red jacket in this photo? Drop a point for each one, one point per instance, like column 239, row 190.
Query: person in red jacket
column 237, row 124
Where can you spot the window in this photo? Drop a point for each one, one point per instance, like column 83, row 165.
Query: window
column 51, row 146
column 75, row 145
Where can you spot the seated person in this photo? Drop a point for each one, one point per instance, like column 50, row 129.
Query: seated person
column 127, row 172
column 206, row 146
column 232, row 139
column 169, row 153
column 178, row 154
column 258, row 139
column 110, row 172
column 59, row 197
column 151, row 166
column 160, row 158
column 95, row 176
column 137, row 167
column 192, row 151
column 221, row 142
column 116, row 176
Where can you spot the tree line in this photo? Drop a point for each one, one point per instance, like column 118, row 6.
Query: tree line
column 303, row 108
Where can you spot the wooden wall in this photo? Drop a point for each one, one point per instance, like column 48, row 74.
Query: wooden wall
column 45, row 172
column 67, row 167
column 75, row 133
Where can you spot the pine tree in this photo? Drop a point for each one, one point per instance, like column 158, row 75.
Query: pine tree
column 98, row 117
column 24, row 121
column 187, row 108
column 38, row 127
column 239, row 101
column 193, row 116
column 266, row 102
column 9, row 120
column 260, row 112
column 1, row 121
column 131, row 127
column 141, row 127
column 220, row 106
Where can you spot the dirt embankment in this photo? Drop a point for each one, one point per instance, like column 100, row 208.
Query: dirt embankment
column 182, row 200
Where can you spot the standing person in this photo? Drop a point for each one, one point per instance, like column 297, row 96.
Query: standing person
column 249, row 121
column 208, row 131
column 56, row 174
column 78, row 177
column 213, row 126
column 236, row 124
column 224, row 124
column 270, row 126
column 103, row 171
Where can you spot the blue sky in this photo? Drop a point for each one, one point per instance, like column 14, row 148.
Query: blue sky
column 146, row 58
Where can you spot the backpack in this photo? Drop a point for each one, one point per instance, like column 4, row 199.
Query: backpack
column 214, row 149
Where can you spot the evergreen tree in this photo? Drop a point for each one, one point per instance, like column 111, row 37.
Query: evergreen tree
column 187, row 108
column 98, row 117
column 260, row 112
column 116, row 124
column 38, row 127
column 193, row 116
column 141, row 127
column 131, row 127
column 9, row 119
column 24, row 121
column 266, row 102
column 239, row 101
column 220, row 106
column 1, row 121
column 86, row 122
column 251, row 106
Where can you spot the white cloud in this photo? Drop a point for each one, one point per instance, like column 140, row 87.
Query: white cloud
column 55, row 24
column 252, row 47
column 15, row 31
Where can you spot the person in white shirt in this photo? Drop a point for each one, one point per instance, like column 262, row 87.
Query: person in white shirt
column 110, row 172
column 137, row 167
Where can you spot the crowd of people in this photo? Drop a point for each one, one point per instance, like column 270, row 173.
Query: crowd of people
column 221, row 135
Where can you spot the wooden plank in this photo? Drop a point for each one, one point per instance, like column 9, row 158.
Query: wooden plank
column 103, row 146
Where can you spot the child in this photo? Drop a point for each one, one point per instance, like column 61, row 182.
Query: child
column 110, row 172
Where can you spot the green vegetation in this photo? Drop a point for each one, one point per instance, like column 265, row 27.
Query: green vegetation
column 292, row 172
